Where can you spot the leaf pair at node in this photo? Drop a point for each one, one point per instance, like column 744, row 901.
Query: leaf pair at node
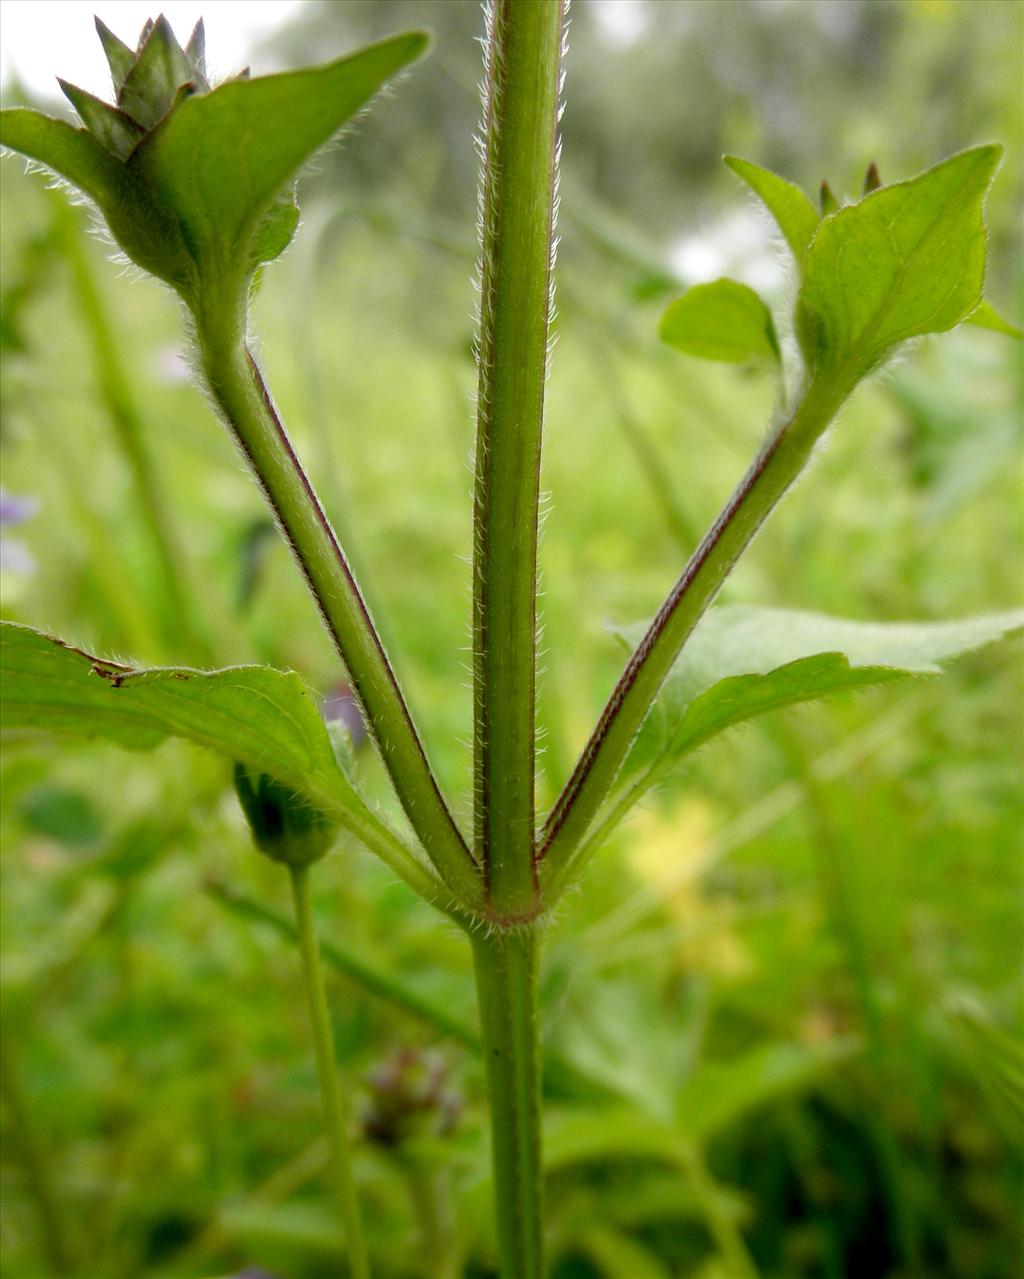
column 904, row 261
column 195, row 182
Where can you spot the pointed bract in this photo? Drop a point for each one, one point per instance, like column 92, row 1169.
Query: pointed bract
column 827, row 200
column 871, row 179
column 156, row 76
column 195, row 50
column 120, row 58
column 116, row 131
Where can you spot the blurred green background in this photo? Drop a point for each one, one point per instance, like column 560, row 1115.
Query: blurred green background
column 785, row 1012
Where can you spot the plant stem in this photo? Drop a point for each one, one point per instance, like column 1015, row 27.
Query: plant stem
column 37, row 1167
column 334, row 1102
column 373, row 981
column 724, row 1231
column 506, row 978
column 774, row 470
column 522, row 79
column 235, row 382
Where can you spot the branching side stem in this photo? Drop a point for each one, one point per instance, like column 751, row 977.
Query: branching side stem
column 774, row 470
column 236, row 384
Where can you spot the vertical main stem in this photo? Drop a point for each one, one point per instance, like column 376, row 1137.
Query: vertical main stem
column 522, row 81
column 506, row 979
column 334, row 1102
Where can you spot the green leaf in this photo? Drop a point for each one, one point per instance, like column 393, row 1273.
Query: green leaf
column 791, row 208
column 720, row 321
column 275, row 230
column 714, row 1096
column 743, row 661
column 264, row 718
column 221, row 159
column 908, row 259
column 719, row 1093
column 71, row 153
column 986, row 316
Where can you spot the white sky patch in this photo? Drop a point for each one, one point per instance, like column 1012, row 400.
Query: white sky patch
column 43, row 39
column 740, row 244
column 622, row 22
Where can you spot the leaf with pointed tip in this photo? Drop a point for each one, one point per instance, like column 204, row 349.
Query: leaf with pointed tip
column 986, row 316
column 120, row 58
column 907, row 260
column 156, row 75
column 222, row 158
column 796, row 216
column 264, row 718
column 742, row 661
column 721, row 321
column 71, row 153
column 112, row 128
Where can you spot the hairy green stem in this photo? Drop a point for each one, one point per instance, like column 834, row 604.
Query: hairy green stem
column 235, row 382
column 774, row 470
column 506, row 979
column 522, row 79
column 334, row 1102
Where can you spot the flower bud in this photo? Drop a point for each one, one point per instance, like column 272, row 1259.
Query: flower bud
column 284, row 825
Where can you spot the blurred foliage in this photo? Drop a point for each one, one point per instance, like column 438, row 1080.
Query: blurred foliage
column 781, row 1016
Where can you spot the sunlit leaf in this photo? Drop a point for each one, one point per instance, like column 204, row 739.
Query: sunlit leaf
column 796, row 216
column 720, row 321
column 743, row 661
column 265, row 718
column 71, row 153
column 906, row 260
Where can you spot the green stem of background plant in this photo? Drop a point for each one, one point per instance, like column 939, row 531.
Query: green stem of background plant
column 506, row 981
column 760, row 490
column 178, row 612
column 334, row 1103
column 522, row 79
column 34, row 1158
column 235, row 382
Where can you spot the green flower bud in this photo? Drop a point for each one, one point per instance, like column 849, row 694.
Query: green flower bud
column 284, row 825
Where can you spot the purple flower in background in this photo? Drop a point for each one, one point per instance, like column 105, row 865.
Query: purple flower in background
column 15, row 555
column 342, row 708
